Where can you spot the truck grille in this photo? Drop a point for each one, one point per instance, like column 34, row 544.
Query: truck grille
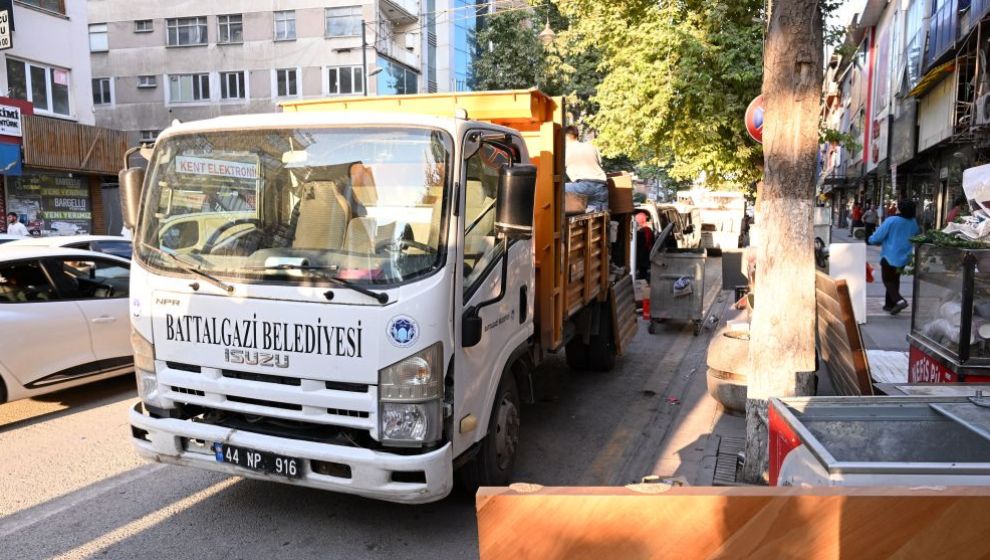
column 310, row 401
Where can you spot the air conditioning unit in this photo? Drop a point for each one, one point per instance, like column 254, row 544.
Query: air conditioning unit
column 982, row 110
column 411, row 40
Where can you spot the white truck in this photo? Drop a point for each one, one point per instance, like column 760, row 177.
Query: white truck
column 321, row 296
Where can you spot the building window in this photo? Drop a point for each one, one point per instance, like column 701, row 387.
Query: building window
column 345, row 80
column 343, row 22
column 232, row 85
column 44, row 86
column 231, row 29
column 285, row 25
column 101, row 91
column 147, row 81
column 186, row 88
column 186, row 31
column 143, row 26
column 285, row 82
column 396, row 79
column 50, row 5
column 149, row 136
column 98, row 38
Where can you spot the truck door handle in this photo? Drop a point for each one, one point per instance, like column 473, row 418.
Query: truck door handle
column 104, row 319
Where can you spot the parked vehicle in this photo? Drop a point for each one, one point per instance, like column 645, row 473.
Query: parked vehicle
column 7, row 238
column 370, row 317
column 64, row 319
column 109, row 244
column 691, row 222
column 722, row 215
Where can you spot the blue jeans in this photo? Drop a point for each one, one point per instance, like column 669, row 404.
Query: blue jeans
column 595, row 191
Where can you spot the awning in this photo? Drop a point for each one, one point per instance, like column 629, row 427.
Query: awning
column 932, row 78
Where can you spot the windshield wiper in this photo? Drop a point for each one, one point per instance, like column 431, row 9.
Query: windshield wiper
column 324, row 271
column 186, row 267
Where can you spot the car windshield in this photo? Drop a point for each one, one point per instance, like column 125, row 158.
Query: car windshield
column 365, row 205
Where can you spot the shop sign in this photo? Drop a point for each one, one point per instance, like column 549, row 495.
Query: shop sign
column 51, row 204
column 216, row 167
column 11, row 121
column 10, row 160
column 6, row 25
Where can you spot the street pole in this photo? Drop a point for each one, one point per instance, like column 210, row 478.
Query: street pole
column 364, row 58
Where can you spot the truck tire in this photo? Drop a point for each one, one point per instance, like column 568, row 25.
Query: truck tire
column 496, row 457
column 577, row 354
column 601, row 348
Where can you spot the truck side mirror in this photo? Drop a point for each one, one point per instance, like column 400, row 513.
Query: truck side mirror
column 471, row 328
column 131, row 182
column 514, row 211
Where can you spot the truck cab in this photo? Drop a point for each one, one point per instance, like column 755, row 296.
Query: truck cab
column 344, row 298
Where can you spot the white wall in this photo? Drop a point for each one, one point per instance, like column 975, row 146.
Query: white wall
column 56, row 40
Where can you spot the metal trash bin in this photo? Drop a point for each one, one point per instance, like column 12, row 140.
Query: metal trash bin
column 668, row 268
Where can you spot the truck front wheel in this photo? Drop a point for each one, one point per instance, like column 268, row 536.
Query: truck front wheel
column 496, row 458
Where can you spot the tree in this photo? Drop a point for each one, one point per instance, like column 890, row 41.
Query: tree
column 511, row 56
column 678, row 76
column 782, row 333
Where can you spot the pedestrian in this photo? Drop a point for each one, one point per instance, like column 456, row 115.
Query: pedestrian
column 870, row 219
column 583, row 165
column 894, row 237
column 959, row 208
column 14, row 226
column 857, row 217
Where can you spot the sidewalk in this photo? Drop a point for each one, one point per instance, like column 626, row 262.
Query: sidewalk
column 882, row 331
column 706, row 439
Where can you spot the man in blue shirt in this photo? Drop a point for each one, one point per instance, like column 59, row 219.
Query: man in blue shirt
column 894, row 237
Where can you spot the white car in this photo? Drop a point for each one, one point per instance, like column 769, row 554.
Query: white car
column 8, row 238
column 110, row 244
column 63, row 319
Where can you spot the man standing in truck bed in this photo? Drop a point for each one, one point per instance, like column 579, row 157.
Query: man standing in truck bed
column 583, row 165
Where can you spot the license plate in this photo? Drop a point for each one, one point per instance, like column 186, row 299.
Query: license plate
column 254, row 460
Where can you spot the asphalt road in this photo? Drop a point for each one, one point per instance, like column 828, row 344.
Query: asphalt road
column 73, row 487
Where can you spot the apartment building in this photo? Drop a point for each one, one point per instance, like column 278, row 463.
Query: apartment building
column 49, row 65
column 53, row 163
column 911, row 86
column 154, row 62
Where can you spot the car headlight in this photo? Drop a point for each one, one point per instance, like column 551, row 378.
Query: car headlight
column 414, row 379
column 144, row 372
column 410, row 393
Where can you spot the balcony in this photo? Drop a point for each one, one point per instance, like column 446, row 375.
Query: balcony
column 943, row 29
column 401, row 12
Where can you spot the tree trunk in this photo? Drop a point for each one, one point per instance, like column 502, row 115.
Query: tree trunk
column 782, row 341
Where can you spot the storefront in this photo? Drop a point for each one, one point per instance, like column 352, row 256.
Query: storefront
column 57, row 187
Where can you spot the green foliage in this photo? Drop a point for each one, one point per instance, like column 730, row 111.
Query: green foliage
column 935, row 237
column 678, row 76
column 511, row 56
column 844, row 139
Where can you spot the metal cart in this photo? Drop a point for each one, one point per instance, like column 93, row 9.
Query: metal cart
column 669, row 266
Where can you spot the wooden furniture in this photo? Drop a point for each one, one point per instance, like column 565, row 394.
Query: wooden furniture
column 840, row 343
column 656, row 521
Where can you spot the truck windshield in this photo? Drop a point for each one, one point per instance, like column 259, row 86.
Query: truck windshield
column 365, row 205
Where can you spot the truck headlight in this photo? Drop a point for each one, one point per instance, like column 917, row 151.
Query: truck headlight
column 144, row 372
column 410, row 393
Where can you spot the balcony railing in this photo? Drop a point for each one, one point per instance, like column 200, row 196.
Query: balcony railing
column 943, row 29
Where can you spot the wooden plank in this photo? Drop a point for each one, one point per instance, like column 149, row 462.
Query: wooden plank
column 624, row 323
column 840, row 340
column 57, row 144
column 655, row 521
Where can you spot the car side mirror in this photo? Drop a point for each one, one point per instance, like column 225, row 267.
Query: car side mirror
column 514, row 210
column 131, row 183
column 471, row 328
